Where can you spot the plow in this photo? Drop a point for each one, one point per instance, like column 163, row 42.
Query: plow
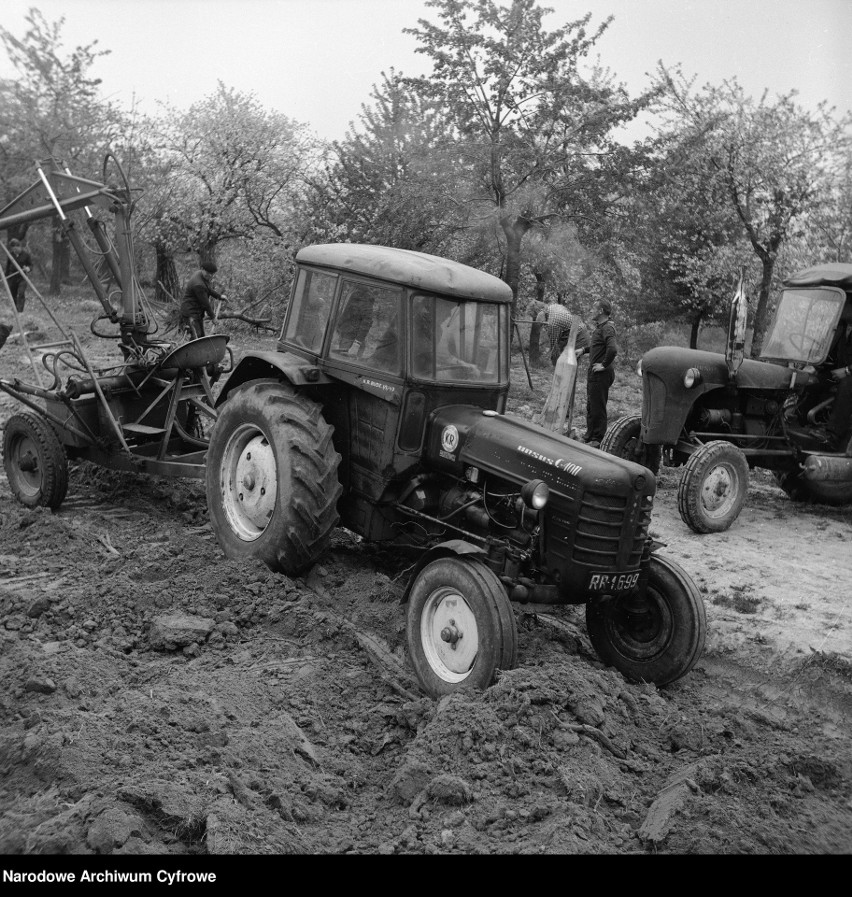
column 149, row 407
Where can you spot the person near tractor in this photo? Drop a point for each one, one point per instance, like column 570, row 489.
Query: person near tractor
column 196, row 302
column 356, row 321
column 559, row 323
column 20, row 261
column 602, row 351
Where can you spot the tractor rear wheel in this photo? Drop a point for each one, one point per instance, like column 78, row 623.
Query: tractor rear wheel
column 624, row 440
column 656, row 638
column 460, row 626
column 35, row 461
column 272, row 486
column 713, row 487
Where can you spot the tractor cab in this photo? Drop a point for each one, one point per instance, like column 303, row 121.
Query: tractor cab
column 401, row 334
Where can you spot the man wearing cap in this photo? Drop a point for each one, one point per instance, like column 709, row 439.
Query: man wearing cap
column 14, row 277
column 196, row 300
column 602, row 352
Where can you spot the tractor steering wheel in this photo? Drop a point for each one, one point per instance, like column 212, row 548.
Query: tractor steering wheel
column 799, row 340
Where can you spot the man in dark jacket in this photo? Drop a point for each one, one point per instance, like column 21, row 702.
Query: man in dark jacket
column 196, row 300
column 602, row 352
column 14, row 278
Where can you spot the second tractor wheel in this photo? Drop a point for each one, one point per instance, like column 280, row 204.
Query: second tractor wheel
column 460, row 626
column 656, row 637
column 713, row 487
column 35, row 461
column 624, row 440
column 272, row 486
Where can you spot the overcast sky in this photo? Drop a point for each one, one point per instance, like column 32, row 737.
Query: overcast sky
column 316, row 60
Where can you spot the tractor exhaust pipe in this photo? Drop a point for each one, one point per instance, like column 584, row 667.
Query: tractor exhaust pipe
column 828, row 468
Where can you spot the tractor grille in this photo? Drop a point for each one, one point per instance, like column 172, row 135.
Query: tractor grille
column 611, row 531
column 653, row 400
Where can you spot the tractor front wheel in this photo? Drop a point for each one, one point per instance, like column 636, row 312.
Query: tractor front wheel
column 624, row 440
column 713, row 487
column 272, row 486
column 460, row 627
column 35, row 461
column 657, row 637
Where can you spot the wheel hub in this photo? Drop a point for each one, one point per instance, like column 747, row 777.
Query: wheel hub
column 449, row 634
column 251, row 484
column 718, row 491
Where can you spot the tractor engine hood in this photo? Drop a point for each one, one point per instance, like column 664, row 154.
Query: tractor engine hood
column 670, row 363
column 461, row 436
column 666, row 400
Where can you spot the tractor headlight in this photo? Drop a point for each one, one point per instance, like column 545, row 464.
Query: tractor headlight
column 639, row 367
column 692, row 378
column 535, row 494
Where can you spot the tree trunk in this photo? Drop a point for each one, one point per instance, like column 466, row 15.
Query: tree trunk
column 535, row 327
column 166, row 278
column 60, row 247
column 696, row 328
column 514, row 231
column 761, row 315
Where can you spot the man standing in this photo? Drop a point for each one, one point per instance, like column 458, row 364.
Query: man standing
column 14, row 277
column 196, row 300
column 602, row 352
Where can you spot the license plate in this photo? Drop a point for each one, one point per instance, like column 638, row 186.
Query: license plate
column 613, row 582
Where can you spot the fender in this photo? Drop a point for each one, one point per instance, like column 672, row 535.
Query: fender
column 281, row 365
column 457, row 547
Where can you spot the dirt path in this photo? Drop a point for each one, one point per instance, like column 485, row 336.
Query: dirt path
column 158, row 698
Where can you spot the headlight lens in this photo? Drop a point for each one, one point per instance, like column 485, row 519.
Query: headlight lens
column 535, row 494
column 692, row 378
column 639, row 367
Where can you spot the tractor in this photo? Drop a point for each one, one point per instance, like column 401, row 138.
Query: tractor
column 717, row 416
column 382, row 409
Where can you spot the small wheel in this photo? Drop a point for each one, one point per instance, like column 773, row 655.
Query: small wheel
column 624, row 440
column 713, row 487
column 656, row 638
column 35, row 461
column 460, row 627
column 271, row 477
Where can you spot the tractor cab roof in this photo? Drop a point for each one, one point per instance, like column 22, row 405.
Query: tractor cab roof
column 835, row 275
column 412, row 269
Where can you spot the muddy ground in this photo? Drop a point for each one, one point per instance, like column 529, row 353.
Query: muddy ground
column 283, row 717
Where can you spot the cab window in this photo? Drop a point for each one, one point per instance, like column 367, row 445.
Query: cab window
column 367, row 327
column 457, row 340
column 310, row 309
